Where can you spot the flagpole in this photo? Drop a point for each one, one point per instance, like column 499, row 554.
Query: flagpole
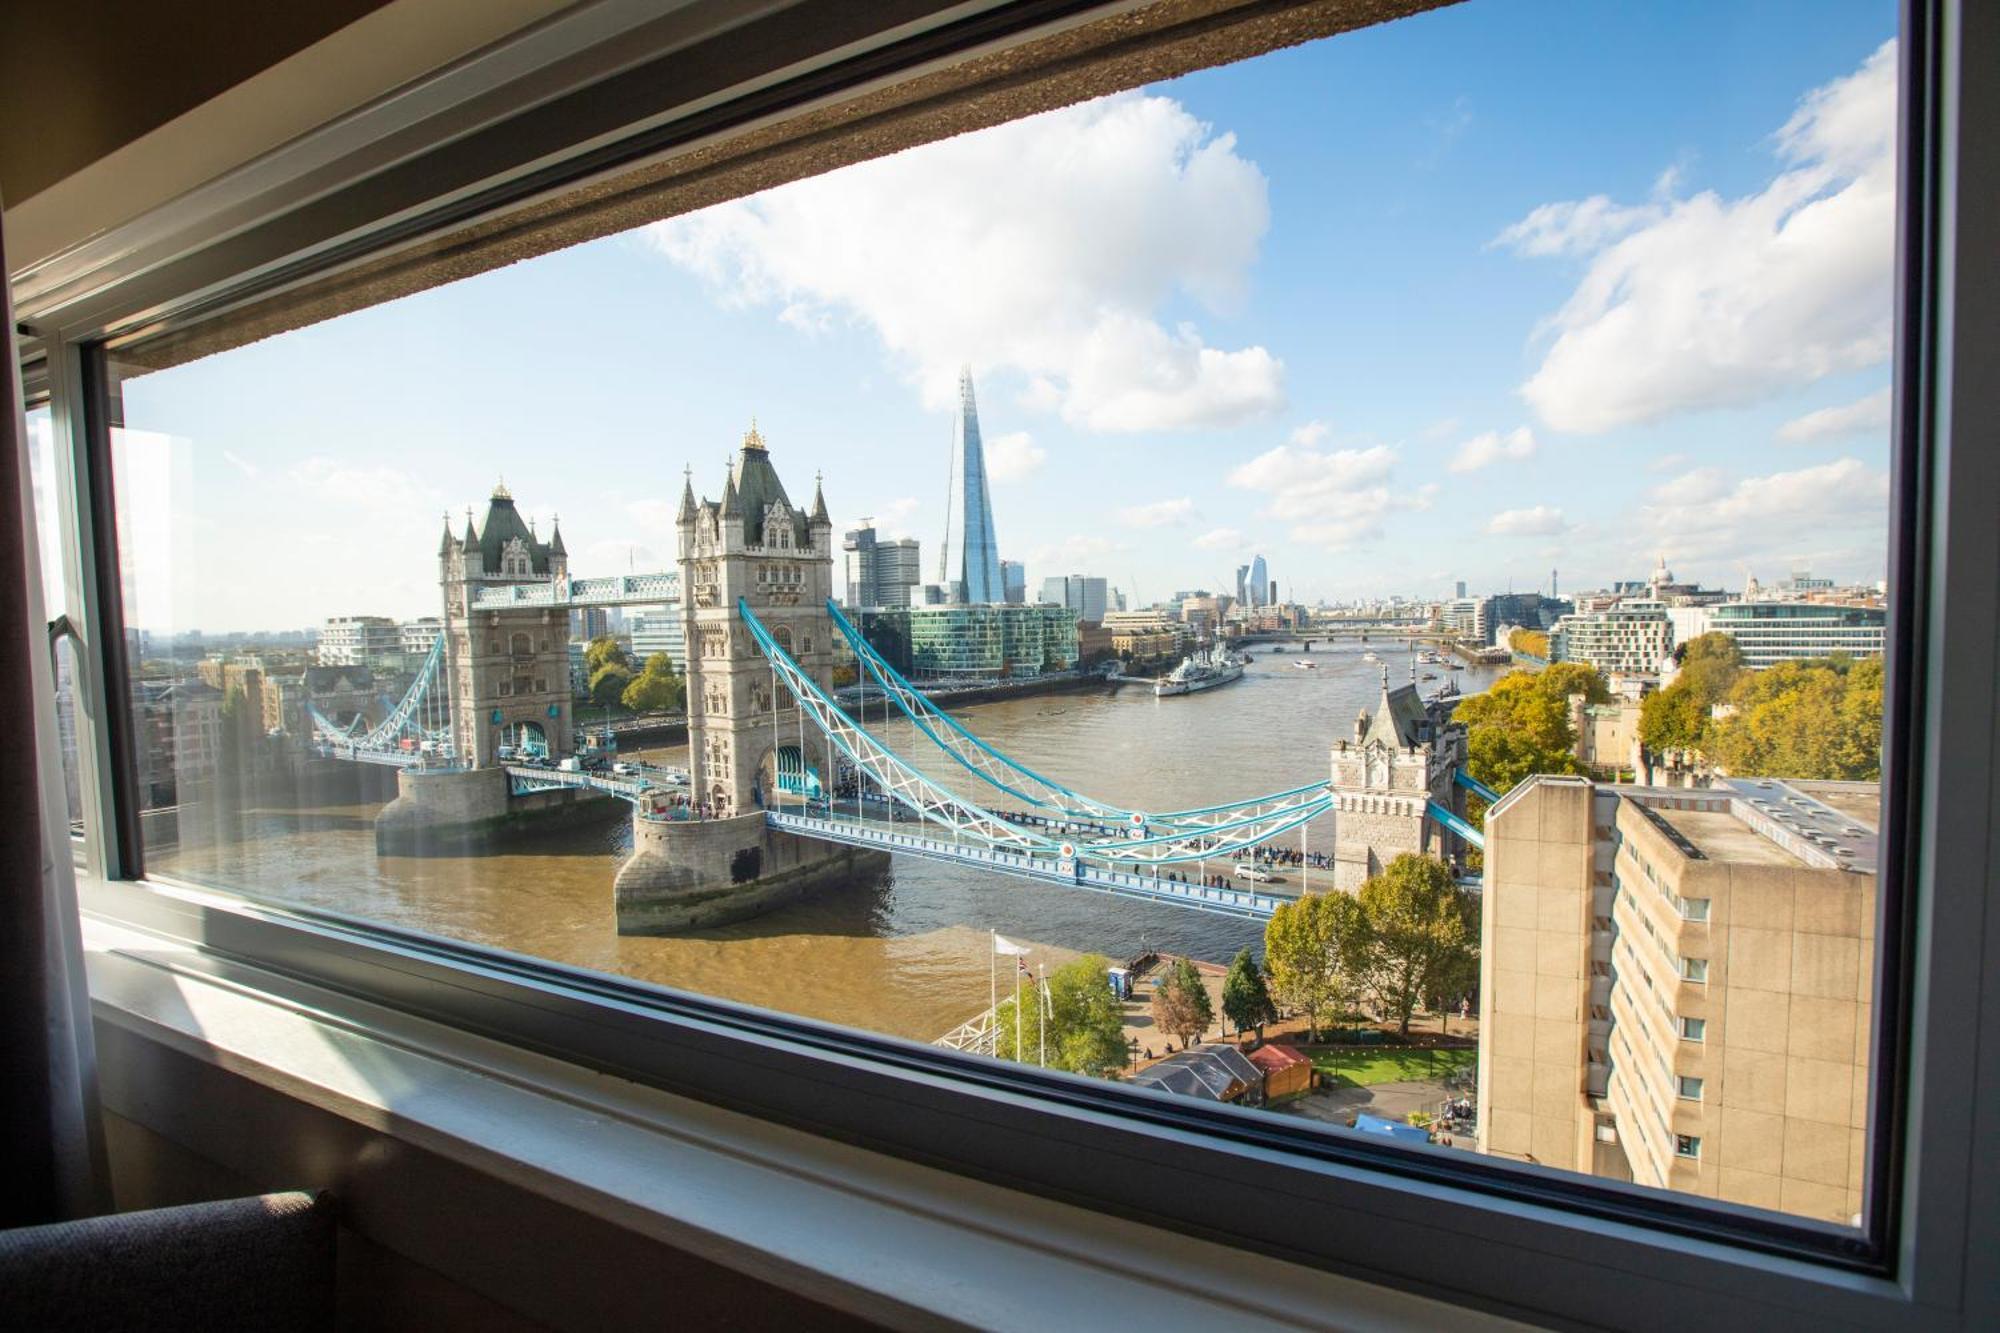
column 993, row 978
column 1017, row 1009
column 1042, row 1010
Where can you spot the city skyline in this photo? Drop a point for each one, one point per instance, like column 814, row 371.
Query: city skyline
column 1365, row 352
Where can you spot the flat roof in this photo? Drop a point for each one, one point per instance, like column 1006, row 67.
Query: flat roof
column 1722, row 837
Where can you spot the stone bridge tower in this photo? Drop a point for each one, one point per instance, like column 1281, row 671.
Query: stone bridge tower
column 507, row 667
column 1400, row 759
column 756, row 545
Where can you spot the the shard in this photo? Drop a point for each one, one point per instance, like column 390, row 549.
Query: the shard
column 969, row 568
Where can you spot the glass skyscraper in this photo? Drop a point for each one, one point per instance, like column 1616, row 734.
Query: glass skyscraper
column 1260, row 583
column 969, row 568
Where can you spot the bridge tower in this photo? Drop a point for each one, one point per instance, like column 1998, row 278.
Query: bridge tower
column 507, row 667
column 754, row 544
column 1400, row 759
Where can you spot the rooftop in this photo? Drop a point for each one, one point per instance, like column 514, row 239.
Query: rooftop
column 1724, row 838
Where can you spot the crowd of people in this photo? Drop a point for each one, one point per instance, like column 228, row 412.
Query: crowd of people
column 1291, row 856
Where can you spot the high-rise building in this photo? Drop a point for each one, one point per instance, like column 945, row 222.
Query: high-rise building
column 969, row 565
column 1260, row 582
column 1014, row 578
column 1632, row 637
column 358, row 640
column 1087, row 596
column 879, row 572
column 1242, row 585
column 1460, row 593
column 658, row 629
column 1674, row 986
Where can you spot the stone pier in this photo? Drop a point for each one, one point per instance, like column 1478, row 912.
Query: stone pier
column 687, row 874
column 453, row 813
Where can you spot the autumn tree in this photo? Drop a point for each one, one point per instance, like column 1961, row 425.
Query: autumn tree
column 1180, row 1002
column 1817, row 719
column 1246, row 1000
column 1521, row 726
column 1421, row 931
column 1678, row 717
column 1315, row 948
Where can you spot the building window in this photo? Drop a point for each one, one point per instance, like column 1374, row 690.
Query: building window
column 1687, row 1089
column 1694, row 1029
column 1695, row 909
column 1694, row 969
column 1688, row 1146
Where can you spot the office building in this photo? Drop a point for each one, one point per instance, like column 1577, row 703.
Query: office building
column 1675, row 986
column 1467, row 618
column 415, row 637
column 880, row 572
column 969, row 564
column 1634, row 636
column 1242, row 585
column 1260, row 588
column 1014, row 579
column 973, row 642
column 1773, row 632
column 1083, row 594
column 658, row 629
column 1460, row 592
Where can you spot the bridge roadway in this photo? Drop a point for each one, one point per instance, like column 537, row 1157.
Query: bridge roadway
column 1076, row 872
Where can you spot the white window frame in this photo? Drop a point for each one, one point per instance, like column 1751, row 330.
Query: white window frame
column 1583, row 1251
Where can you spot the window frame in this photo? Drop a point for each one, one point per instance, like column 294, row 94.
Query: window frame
column 1489, row 1232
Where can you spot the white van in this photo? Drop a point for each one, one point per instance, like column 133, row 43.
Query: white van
column 1253, row 872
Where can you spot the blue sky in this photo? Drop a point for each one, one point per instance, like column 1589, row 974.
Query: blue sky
column 1493, row 290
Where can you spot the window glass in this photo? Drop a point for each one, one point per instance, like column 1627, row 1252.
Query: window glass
column 48, row 532
column 1292, row 532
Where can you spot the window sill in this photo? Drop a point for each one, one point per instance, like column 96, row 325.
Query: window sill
column 881, row 1238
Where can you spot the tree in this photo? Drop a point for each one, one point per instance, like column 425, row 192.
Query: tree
column 1086, row 1024
column 1816, row 719
column 1314, row 948
column 1180, row 1002
column 1533, row 642
column 1678, row 717
column 1521, row 726
column 1246, row 1001
column 1420, row 925
column 657, row 688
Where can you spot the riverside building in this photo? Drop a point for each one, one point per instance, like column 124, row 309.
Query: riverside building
column 1631, row 637
column 1771, row 632
column 1676, row 986
column 968, row 643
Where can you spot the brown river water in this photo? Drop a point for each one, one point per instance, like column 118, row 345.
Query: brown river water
column 903, row 952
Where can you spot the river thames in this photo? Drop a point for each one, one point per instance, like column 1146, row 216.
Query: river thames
column 905, row 952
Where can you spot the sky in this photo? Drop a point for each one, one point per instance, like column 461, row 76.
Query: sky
column 1480, row 294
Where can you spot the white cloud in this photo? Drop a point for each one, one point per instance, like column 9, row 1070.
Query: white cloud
column 1044, row 246
column 1333, row 498
column 1866, row 416
column 1159, row 514
column 1831, row 516
column 1710, row 302
column 1540, row 521
column 1667, row 463
column 1014, row 456
column 1303, row 482
column 1219, row 539
column 1491, row 447
column 1309, row 434
column 890, row 521
column 378, row 488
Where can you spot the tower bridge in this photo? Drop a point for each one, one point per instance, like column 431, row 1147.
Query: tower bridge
column 786, row 788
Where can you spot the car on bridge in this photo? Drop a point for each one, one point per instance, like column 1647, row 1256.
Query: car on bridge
column 1253, row 872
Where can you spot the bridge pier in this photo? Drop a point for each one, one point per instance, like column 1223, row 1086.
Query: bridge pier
column 456, row 812
column 689, row 874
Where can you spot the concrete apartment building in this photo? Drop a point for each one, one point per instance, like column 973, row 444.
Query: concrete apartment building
column 1676, row 986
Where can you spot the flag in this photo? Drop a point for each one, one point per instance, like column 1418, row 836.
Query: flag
column 1024, row 969
column 1001, row 944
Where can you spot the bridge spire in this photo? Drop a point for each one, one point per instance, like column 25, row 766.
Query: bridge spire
column 555, row 537
column 819, row 514
column 686, row 514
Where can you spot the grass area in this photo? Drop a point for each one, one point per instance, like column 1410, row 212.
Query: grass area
column 1364, row 1066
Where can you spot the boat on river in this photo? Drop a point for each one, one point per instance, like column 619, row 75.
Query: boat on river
column 1203, row 670
column 1305, row 664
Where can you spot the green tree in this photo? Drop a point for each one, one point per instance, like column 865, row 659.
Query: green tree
column 603, row 651
column 1314, row 949
column 1246, row 1001
column 1181, row 1005
column 1420, row 926
column 1086, row 1024
column 657, row 688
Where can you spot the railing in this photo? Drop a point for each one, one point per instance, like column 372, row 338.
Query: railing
column 621, row 590
column 528, row 778
column 1049, row 869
